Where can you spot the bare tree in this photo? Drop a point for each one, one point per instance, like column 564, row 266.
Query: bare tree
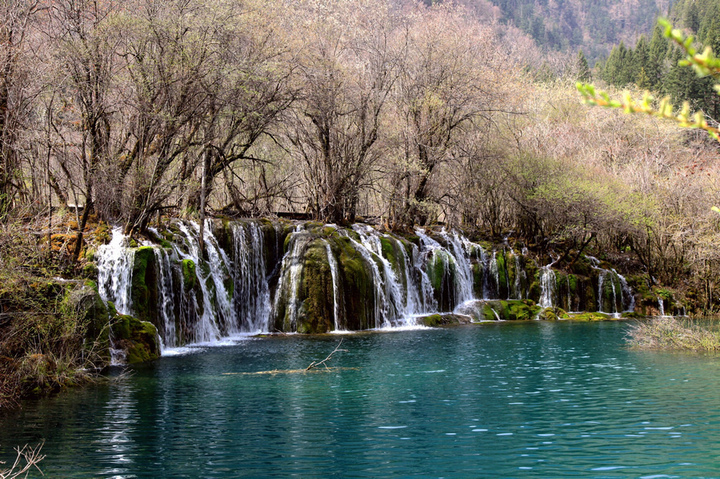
column 347, row 69
column 16, row 17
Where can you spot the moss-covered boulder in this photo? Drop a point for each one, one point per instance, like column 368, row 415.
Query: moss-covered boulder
column 137, row 339
column 443, row 319
column 144, row 291
column 499, row 310
column 552, row 314
column 91, row 311
column 441, row 270
column 316, row 312
column 590, row 316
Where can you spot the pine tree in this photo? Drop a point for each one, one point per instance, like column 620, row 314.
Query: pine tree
column 583, row 69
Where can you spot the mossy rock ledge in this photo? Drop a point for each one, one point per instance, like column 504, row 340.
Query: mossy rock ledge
column 137, row 339
column 499, row 310
column 443, row 319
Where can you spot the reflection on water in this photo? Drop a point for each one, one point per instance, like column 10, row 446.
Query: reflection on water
column 499, row 400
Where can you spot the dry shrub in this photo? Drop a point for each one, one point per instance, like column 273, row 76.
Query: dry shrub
column 671, row 333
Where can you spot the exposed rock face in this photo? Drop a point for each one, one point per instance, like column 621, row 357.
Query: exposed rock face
column 262, row 276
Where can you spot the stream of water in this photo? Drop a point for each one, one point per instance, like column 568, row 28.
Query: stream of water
column 499, row 400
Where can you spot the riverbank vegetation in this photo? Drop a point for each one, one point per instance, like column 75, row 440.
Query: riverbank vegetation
column 670, row 333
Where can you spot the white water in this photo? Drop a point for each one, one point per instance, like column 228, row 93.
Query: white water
column 336, row 285
column 206, row 327
column 291, row 270
column 212, row 311
column 165, row 289
column 547, row 287
column 251, row 300
column 115, row 265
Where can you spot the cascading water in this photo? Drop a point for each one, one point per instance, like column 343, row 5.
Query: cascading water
column 168, row 338
column 428, row 298
column 385, row 311
column 251, row 299
column 239, row 284
column 661, row 306
column 547, row 287
column 206, row 328
column 290, row 272
column 115, row 265
column 336, row 286
column 625, row 301
column 464, row 284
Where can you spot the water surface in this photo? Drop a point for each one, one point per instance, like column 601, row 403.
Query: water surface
column 500, row 400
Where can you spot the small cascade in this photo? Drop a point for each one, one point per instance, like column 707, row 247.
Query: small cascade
column 661, row 306
column 385, row 311
column 627, row 293
column 168, row 337
column 622, row 298
column 429, row 304
column 569, row 294
column 547, row 287
column 336, row 286
column 413, row 303
column 206, row 327
column 520, row 279
column 115, row 265
column 290, row 274
column 495, row 273
column 464, row 282
column 251, row 299
column 396, row 307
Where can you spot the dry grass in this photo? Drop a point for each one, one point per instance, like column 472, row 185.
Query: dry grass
column 675, row 334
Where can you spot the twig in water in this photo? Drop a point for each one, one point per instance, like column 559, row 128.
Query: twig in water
column 314, row 364
column 27, row 458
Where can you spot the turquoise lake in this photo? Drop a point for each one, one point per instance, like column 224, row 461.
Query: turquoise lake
column 498, row 400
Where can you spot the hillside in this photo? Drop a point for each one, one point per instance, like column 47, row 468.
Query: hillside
column 569, row 25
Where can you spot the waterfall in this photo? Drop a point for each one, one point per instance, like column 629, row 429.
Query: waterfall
column 547, row 285
column 206, row 328
column 251, row 299
column 617, row 281
column 290, row 274
column 626, row 293
column 569, row 293
column 336, row 285
column 397, row 306
column 115, row 265
column 661, row 306
column 428, row 298
column 385, row 311
column 168, row 338
column 520, row 275
column 464, row 283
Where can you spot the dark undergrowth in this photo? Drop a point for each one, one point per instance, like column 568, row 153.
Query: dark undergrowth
column 43, row 334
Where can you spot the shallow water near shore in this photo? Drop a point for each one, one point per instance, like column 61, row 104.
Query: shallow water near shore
column 497, row 400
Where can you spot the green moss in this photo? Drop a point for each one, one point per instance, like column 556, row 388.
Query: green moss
column 431, row 321
column 137, row 338
column 189, row 275
column 502, row 274
column 589, row 316
column 144, row 284
column 437, row 320
column 316, row 314
column 552, row 314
